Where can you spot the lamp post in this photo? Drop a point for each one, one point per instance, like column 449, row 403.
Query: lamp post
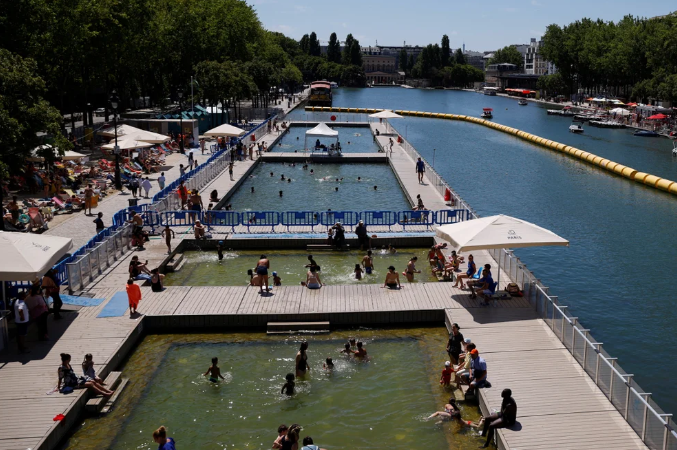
column 114, row 102
column 434, row 150
column 179, row 94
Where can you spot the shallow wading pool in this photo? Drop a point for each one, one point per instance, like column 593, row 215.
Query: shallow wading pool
column 352, row 139
column 379, row 404
column 203, row 268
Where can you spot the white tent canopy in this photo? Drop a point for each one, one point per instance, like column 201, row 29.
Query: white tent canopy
column 620, row 112
column 498, row 232
column 130, row 132
column 322, row 130
column 385, row 114
column 127, row 144
column 26, row 256
column 68, row 155
column 226, row 131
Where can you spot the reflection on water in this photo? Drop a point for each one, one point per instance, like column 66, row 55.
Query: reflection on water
column 203, row 268
column 381, row 403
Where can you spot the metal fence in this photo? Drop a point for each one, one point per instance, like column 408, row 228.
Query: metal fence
column 652, row 424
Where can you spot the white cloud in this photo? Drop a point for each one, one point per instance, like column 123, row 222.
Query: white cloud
column 536, row 3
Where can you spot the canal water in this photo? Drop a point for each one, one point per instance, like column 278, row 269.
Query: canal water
column 618, row 275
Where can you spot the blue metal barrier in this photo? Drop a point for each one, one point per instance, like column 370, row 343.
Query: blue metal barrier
column 180, row 218
column 382, row 218
column 215, row 219
column 447, row 216
column 347, row 218
column 300, row 219
column 424, row 217
column 261, row 218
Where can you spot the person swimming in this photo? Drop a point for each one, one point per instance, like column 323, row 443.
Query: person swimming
column 282, row 178
column 288, row 387
column 214, row 372
column 358, row 272
column 219, row 250
column 252, row 189
column 375, row 188
column 328, row 364
column 346, row 349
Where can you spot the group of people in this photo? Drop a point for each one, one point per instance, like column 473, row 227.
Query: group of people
column 468, row 368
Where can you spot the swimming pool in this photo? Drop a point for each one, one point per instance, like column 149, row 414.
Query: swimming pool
column 315, row 189
column 202, row 268
column 380, row 404
column 353, row 140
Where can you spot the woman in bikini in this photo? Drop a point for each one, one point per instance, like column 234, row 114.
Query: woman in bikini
column 302, row 360
column 411, row 269
column 262, row 271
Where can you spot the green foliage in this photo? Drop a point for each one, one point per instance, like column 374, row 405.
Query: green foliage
column 334, row 49
column 355, row 54
column 23, row 110
column 304, row 44
column 314, row 45
column 633, row 56
column 346, row 58
column 459, row 57
column 553, row 85
column 291, row 77
column 508, row 55
column 445, row 54
column 458, row 75
column 404, row 61
column 353, row 76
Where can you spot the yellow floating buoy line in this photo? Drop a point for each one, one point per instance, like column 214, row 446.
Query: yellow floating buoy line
column 646, row 179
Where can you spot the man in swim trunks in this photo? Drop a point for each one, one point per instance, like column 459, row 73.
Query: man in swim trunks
column 262, row 270
column 420, row 169
column 392, row 279
column 214, row 372
column 368, row 263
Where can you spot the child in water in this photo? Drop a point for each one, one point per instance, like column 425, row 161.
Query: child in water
column 347, row 349
column 277, row 281
column 358, row 272
column 288, row 387
column 329, row 364
column 445, row 380
column 219, row 250
column 214, row 372
column 281, row 433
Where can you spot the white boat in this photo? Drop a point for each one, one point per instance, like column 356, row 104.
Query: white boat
column 334, row 84
column 487, row 113
column 406, row 86
column 575, row 128
column 522, row 102
column 674, row 148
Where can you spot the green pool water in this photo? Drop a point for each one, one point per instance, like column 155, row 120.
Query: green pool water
column 317, row 191
column 378, row 404
column 202, row 268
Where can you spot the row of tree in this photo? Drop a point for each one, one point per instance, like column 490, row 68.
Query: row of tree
column 437, row 63
column 633, row 58
column 341, row 65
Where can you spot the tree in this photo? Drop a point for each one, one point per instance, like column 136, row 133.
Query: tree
column 304, row 43
column 347, row 49
column 291, row 77
column 459, row 57
column 334, row 49
column 403, row 62
column 353, row 76
column 553, row 85
column 355, row 54
column 508, row 55
column 445, row 52
column 314, row 45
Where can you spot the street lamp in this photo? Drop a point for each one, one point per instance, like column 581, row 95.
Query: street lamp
column 179, row 93
column 114, row 102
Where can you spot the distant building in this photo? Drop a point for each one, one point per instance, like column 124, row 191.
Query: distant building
column 385, row 50
column 534, row 63
column 495, row 71
column 380, row 69
column 475, row 59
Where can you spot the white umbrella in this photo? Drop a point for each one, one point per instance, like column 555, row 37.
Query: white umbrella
column 130, row 132
column 26, row 256
column 620, row 112
column 68, row 155
column 498, row 232
column 385, row 114
column 226, row 131
column 127, row 143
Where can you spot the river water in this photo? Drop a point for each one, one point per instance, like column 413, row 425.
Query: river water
column 618, row 274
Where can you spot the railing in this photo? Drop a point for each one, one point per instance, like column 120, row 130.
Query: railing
column 231, row 219
column 652, row 424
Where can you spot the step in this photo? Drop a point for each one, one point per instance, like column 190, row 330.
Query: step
column 111, row 401
column 297, row 327
column 97, row 402
column 175, row 264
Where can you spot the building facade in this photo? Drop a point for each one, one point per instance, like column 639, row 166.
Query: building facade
column 534, row 63
column 380, row 69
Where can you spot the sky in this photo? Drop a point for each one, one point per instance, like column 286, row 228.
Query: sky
column 483, row 26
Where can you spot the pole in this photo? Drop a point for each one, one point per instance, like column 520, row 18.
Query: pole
column 116, row 150
column 434, row 150
column 191, row 94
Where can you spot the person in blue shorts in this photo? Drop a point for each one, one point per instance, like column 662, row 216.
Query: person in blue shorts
column 420, row 169
column 368, row 263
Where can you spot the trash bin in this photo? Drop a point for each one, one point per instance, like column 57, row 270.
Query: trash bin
column 133, row 201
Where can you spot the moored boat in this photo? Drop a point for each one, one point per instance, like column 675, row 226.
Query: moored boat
column 575, row 128
column 523, row 102
column 486, row 113
column 646, row 133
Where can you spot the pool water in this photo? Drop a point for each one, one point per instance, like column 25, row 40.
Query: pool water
column 317, row 191
column 203, row 268
column 352, row 139
column 378, row 404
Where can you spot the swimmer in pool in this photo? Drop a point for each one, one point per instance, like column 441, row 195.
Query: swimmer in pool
column 271, row 174
column 392, row 279
column 252, row 189
column 312, row 171
column 219, row 250
column 359, row 179
column 358, row 272
column 288, row 387
column 288, row 180
column 375, row 187
column 346, row 349
column 329, row 364
column 411, row 269
column 282, row 177
column 361, row 352
column 214, row 372
column 368, row 263
column 391, row 249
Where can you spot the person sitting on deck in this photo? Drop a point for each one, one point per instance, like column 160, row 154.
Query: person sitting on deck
column 138, row 270
column 69, row 381
column 506, row 417
column 438, row 267
column 478, row 373
column 468, row 273
column 199, row 230
column 486, row 272
column 463, row 368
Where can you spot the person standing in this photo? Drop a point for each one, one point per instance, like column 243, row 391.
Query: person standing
column 160, row 437
column 196, row 201
column 455, row 343
column 50, row 284
column 202, row 146
column 99, row 223
column 230, row 171
column 363, row 236
column 89, row 197
column 183, row 194
column 145, row 184
column 182, row 171
column 134, row 185
column 368, row 263
column 134, row 297
column 21, row 319
column 302, row 360
column 190, row 159
column 420, row 169
column 161, row 181
column 38, row 311
column 168, row 234
column 262, row 270
column 13, row 207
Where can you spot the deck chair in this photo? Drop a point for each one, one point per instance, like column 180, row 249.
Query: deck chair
column 37, row 221
column 478, row 274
